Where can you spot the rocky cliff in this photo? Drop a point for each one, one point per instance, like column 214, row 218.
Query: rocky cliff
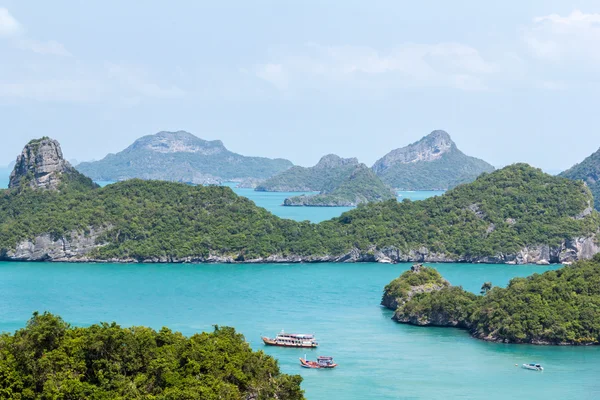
column 181, row 157
column 434, row 162
column 41, row 166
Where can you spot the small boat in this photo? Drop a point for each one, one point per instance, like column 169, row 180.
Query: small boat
column 533, row 366
column 322, row 362
column 291, row 340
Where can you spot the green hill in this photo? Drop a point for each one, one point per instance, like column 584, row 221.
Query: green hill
column 432, row 163
column 556, row 307
column 181, row 157
column 49, row 359
column 362, row 186
column 330, row 172
column 588, row 171
column 517, row 215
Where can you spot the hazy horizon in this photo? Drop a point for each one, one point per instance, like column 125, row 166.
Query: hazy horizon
column 510, row 82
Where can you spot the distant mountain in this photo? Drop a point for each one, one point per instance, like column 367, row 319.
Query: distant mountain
column 181, row 157
column 588, row 171
column 362, row 186
column 41, row 166
column 432, row 163
column 328, row 174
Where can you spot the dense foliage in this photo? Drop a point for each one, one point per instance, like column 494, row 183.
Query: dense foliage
column 556, row 307
column 498, row 213
column 450, row 170
column 400, row 289
column 362, row 186
column 48, row 359
column 588, row 171
column 330, row 172
column 182, row 157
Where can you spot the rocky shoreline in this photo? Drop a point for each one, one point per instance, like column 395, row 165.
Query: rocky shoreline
column 79, row 246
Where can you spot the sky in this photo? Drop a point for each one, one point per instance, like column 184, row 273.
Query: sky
column 515, row 81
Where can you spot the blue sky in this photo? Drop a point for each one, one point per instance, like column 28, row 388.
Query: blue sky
column 513, row 81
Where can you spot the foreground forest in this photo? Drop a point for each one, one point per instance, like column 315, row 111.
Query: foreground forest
column 497, row 215
column 49, row 359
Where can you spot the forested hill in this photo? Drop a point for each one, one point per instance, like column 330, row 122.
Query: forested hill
column 49, row 359
column 362, row 186
column 588, row 171
column 330, row 172
column 432, row 163
column 517, row 214
column 181, row 157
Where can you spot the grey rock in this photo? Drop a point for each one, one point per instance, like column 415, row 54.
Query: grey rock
column 40, row 165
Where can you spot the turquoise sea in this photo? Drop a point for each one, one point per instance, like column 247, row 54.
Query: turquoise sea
column 339, row 303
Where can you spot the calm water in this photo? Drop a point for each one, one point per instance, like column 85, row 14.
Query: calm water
column 378, row 358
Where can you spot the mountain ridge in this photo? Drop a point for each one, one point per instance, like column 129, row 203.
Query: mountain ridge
column 432, row 163
column 182, row 157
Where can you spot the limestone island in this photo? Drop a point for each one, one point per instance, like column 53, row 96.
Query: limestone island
column 554, row 308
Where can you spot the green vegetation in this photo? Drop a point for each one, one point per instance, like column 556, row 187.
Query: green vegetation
column 500, row 212
column 48, row 359
column 180, row 157
column 556, row 307
column 330, row 172
column 451, row 169
column 418, row 278
column 362, row 186
column 588, row 171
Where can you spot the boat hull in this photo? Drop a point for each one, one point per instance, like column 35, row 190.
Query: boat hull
column 273, row 342
column 314, row 365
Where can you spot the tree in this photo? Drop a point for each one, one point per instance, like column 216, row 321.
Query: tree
column 486, row 287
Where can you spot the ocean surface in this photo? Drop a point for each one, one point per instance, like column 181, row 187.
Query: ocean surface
column 273, row 201
column 339, row 303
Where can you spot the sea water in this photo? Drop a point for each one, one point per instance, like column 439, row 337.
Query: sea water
column 339, row 303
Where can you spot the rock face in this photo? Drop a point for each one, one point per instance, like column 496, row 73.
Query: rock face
column 45, row 248
column 434, row 162
column 41, row 166
column 181, row 157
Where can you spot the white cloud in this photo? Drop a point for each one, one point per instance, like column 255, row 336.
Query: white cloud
column 8, row 24
column 137, row 80
column 50, row 47
column 52, row 90
column 451, row 65
column 573, row 38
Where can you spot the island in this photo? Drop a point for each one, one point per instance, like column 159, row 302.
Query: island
column 181, row 157
column 514, row 215
column 588, row 171
column 330, row 172
column 432, row 163
column 52, row 359
column 362, row 186
column 554, row 308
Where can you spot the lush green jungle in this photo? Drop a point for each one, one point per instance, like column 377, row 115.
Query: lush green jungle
column 49, row 359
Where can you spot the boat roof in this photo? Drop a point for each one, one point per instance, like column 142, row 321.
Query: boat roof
column 296, row 335
column 325, row 358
